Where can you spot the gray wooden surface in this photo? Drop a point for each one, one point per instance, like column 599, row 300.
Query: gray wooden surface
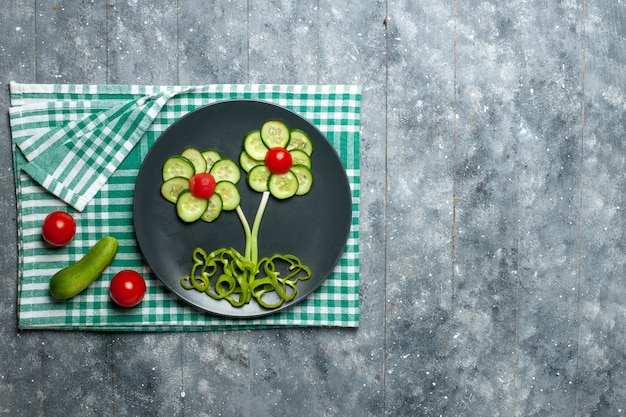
column 492, row 228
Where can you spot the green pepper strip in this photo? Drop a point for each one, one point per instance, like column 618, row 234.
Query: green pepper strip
column 237, row 282
column 233, row 270
column 272, row 283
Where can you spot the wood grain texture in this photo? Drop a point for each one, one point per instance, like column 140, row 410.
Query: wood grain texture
column 492, row 209
column 21, row 377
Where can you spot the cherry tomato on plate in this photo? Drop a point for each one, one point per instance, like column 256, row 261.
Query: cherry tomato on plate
column 202, row 185
column 127, row 288
column 58, row 228
column 278, row 160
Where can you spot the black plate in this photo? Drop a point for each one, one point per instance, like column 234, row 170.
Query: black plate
column 313, row 227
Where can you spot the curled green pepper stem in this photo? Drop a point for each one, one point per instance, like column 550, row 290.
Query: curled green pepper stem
column 225, row 274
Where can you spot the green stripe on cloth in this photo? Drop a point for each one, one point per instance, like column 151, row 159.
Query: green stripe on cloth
column 84, row 144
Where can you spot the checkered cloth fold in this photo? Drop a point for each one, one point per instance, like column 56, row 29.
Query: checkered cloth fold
column 82, row 146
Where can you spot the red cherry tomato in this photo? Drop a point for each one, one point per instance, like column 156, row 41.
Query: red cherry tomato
column 278, row 160
column 58, row 228
column 202, row 185
column 127, row 288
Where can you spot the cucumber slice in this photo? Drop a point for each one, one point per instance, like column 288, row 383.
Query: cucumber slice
column 190, row 208
column 177, row 166
column 196, row 158
column 213, row 210
column 274, row 133
column 257, row 178
column 229, row 194
column 246, row 162
column 300, row 140
column 305, row 178
column 226, row 170
column 210, row 156
column 254, row 146
column 172, row 188
column 299, row 157
column 283, row 186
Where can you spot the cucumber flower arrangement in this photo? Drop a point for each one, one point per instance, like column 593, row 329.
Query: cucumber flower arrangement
column 202, row 184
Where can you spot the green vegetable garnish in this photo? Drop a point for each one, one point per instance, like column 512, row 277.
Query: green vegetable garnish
column 226, row 274
column 277, row 162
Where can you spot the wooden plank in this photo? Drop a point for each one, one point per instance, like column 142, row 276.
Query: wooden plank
column 313, row 371
column 20, row 353
column 22, row 384
column 146, row 375
column 351, row 40
column 217, row 375
column 420, row 151
column 602, row 362
column 142, row 42
column 482, row 368
column 549, row 158
column 76, row 369
column 71, row 42
column 512, row 246
column 283, row 42
column 213, row 42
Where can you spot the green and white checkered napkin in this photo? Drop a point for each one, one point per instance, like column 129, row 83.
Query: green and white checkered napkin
column 79, row 148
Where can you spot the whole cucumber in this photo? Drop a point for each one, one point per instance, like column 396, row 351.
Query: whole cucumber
column 72, row 280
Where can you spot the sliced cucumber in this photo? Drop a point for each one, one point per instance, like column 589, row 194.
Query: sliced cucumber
column 190, row 208
column 210, row 156
column 213, row 209
column 177, row 166
column 300, row 140
column 229, row 193
column 299, row 157
column 283, row 186
column 257, row 178
column 254, row 146
column 305, row 178
column 196, row 158
column 226, row 170
column 275, row 133
column 173, row 187
column 246, row 162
